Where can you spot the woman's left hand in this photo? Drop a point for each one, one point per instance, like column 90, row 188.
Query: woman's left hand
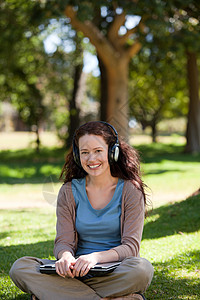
column 83, row 264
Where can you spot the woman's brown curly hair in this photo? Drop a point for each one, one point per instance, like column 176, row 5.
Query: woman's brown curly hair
column 127, row 167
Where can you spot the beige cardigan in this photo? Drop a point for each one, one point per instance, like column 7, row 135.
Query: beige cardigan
column 132, row 220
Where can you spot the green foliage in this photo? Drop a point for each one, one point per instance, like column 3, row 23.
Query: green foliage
column 154, row 91
column 38, row 83
column 93, row 90
column 22, row 60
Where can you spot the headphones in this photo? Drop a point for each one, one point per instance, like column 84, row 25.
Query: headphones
column 113, row 150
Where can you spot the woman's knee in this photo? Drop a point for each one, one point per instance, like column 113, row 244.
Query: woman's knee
column 145, row 271
column 19, row 267
column 16, row 267
column 140, row 269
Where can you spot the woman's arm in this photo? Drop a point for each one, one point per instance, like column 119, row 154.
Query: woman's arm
column 65, row 241
column 132, row 221
column 65, row 228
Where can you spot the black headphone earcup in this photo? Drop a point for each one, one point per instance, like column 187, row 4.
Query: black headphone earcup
column 113, row 153
column 116, row 153
column 76, row 155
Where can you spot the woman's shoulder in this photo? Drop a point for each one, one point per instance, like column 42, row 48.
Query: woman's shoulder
column 132, row 197
column 65, row 194
column 65, row 187
column 130, row 189
column 129, row 185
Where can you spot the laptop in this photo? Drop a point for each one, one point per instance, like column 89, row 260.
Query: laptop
column 97, row 270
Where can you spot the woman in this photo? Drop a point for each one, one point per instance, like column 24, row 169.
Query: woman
column 100, row 215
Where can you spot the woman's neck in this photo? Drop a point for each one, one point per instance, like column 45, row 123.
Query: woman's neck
column 101, row 181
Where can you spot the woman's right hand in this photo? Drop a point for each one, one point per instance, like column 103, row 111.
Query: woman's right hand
column 63, row 265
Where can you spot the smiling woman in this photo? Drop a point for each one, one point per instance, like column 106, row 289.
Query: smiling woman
column 100, row 217
column 94, row 155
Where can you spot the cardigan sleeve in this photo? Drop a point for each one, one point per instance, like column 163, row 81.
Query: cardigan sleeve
column 65, row 228
column 132, row 221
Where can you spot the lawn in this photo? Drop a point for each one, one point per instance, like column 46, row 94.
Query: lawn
column 170, row 241
column 171, row 233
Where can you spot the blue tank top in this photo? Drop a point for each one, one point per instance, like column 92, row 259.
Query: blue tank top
column 98, row 229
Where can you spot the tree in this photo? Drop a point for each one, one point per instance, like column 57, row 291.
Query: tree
column 74, row 106
column 185, row 27
column 193, row 124
column 31, row 79
column 22, row 58
column 114, row 50
column 154, row 91
column 180, row 26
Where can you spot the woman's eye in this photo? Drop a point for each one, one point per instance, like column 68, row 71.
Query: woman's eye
column 84, row 153
column 98, row 150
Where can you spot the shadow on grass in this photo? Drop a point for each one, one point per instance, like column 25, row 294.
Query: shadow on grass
column 26, row 173
column 172, row 279
column 155, row 153
column 171, row 219
column 27, row 166
column 158, row 171
column 175, row 278
column 9, row 254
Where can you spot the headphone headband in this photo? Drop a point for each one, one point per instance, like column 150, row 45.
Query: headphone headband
column 112, row 127
column 113, row 150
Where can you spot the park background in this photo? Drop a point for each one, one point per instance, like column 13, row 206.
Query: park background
column 132, row 63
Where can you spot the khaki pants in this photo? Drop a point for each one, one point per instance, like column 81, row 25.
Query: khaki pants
column 133, row 275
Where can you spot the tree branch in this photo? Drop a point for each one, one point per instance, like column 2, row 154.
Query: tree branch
column 134, row 49
column 113, row 35
column 125, row 37
column 103, row 47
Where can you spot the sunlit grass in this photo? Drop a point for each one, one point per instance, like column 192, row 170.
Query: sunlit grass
column 171, row 174
column 171, row 233
column 170, row 241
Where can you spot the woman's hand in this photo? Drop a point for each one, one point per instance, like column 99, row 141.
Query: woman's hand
column 64, row 265
column 83, row 264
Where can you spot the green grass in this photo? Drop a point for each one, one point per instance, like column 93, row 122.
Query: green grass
column 27, row 166
column 170, row 241
column 171, row 233
column 171, row 174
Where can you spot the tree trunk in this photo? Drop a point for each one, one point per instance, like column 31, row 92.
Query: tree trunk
column 115, row 53
column 154, row 131
column 74, row 105
column 74, row 119
column 114, row 100
column 117, row 105
column 193, row 124
column 37, row 139
column 103, row 90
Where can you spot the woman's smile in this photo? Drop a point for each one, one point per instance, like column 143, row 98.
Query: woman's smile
column 94, row 166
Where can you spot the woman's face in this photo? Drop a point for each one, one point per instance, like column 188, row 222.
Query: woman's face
column 94, row 154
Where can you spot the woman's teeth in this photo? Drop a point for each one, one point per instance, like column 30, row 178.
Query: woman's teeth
column 94, row 166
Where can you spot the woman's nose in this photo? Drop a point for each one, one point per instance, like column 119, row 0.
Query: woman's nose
column 91, row 157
